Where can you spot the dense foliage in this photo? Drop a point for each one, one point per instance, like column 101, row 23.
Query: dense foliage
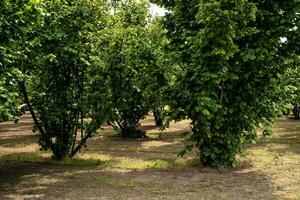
column 77, row 64
column 60, row 83
column 232, row 54
column 292, row 78
column 229, row 66
column 18, row 19
column 164, row 71
column 57, row 36
column 10, row 103
column 134, row 70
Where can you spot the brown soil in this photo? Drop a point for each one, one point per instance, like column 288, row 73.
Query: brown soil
column 111, row 168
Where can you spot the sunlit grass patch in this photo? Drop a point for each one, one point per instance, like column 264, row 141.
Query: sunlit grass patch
column 94, row 156
column 25, row 157
column 45, row 158
column 124, row 162
column 102, row 160
column 187, row 162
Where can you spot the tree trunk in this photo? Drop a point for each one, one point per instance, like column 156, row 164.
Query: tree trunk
column 158, row 117
column 296, row 111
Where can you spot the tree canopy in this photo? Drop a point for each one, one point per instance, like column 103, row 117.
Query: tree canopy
column 232, row 55
column 228, row 66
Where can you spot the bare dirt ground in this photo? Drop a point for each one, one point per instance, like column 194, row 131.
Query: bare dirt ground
column 111, row 168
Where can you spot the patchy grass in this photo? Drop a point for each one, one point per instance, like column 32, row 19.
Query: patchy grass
column 109, row 180
column 105, row 161
column 111, row 168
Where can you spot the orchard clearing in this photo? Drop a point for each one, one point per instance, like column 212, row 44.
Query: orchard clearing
column 114, row 168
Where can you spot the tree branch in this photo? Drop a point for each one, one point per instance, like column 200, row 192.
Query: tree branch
column 33, row 115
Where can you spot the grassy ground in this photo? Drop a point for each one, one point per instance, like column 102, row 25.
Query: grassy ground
column 111, row 168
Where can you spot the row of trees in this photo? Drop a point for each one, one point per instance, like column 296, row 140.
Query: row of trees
column 228, row 66
column 79, row 64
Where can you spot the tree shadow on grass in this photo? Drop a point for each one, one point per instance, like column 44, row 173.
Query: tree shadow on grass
column 10, row 126
column 26, row 175
column 37, row 180
column 148, row 127
column 144, row 149
column 286, row 137
column 289, row 143
column 21, row 170
column 17, row 140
